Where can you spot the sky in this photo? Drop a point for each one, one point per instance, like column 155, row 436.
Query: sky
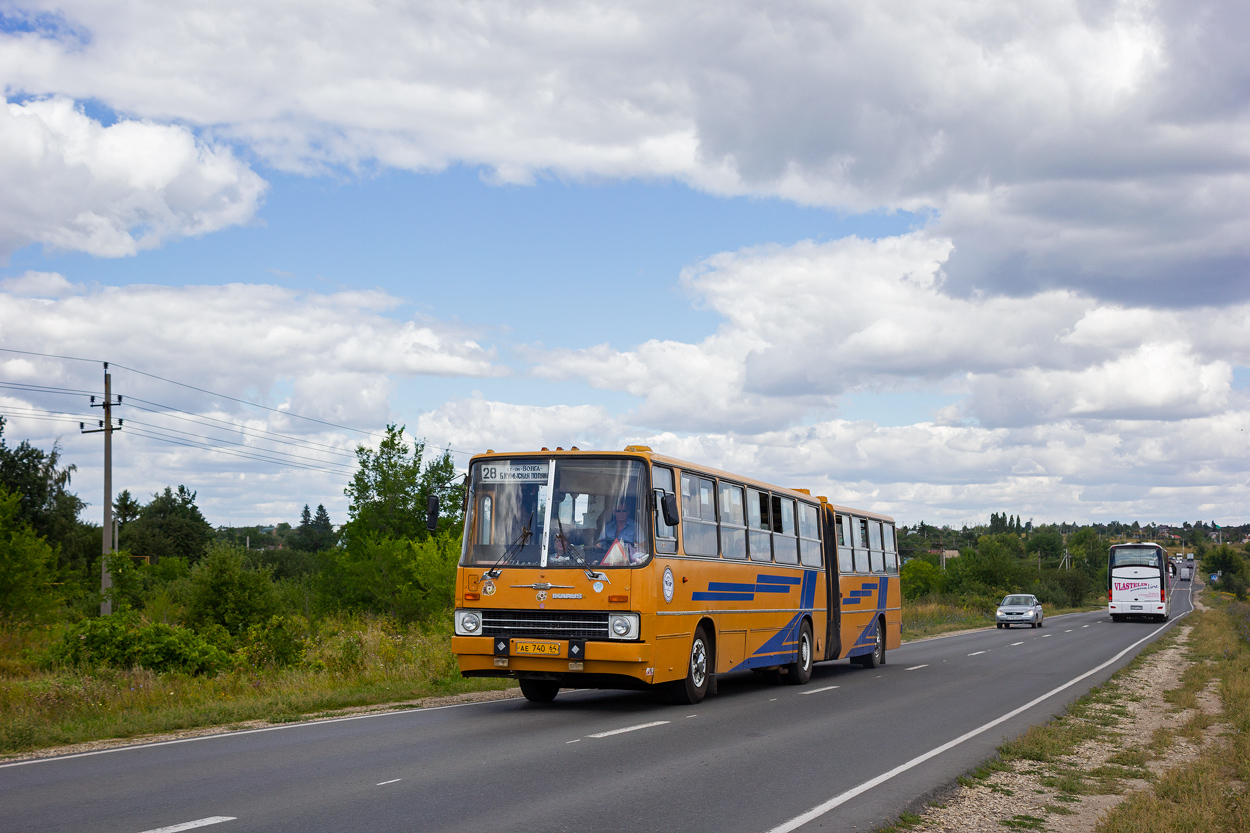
column 935, row 260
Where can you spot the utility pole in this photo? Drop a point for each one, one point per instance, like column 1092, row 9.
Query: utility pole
column 107, row 428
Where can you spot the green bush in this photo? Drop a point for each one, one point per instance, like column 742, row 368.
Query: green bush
column 122, row 641
column 278, row 643
column 221, row 590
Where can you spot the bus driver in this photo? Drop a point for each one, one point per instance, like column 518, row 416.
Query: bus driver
column 620, row 527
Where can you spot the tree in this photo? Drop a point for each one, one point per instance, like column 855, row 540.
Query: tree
column 171, row 525
column 42, row 485
column 125, row 509
column 390, row 490
column 919, row 578
column 28, row 588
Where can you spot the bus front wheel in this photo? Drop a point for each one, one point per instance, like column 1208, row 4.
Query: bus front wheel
column 539, row 691
column 800, row 671
column 692, row 689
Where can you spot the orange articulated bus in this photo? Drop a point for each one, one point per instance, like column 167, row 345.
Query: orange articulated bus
column 633, row 570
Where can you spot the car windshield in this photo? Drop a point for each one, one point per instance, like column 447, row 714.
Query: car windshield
column 564, row 512
column 1016, row 600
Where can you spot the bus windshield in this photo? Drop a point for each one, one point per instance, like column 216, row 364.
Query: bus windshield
column 1136, row 557
column 563, row 512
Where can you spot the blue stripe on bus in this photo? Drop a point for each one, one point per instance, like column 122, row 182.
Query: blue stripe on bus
column 867, row 641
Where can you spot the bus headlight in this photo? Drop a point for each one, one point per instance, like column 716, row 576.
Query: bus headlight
column 468, row 623
column 623, row 626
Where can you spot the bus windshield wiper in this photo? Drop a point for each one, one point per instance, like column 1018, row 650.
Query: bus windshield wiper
column 510, row 551
column 569, row 546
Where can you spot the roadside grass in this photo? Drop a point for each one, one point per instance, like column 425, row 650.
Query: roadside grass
column 1208, row 793
column 351, row 662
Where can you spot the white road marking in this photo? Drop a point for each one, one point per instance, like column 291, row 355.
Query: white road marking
column 392, row 781
column 191, row 825
column 690, row 716
column 575, row 740
column 1085, row 626
column 974, row 653
column 1046, row 636
column 838, row 800
column 916, row 667
column 1069, row 630
column 818, row 690
column 1014, row 644
column 628, row 729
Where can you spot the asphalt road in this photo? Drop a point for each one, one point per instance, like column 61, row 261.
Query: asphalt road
column 849, row 750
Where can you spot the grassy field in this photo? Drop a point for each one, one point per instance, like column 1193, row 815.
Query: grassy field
column 352, row 662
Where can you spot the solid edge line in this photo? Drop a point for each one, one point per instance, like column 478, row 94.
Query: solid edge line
column 819, row 810
column 628, row 729
column 221, row 735
column 191, row 825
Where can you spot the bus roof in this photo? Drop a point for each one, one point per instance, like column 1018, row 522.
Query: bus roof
column 646, row 453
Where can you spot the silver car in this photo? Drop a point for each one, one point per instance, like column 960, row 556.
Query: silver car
column 1019, row 609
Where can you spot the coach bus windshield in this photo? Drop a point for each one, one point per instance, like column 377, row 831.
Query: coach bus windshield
column 1136, row 557
column 566, row 512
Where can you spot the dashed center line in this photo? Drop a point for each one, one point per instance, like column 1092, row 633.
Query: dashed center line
column 1014, row 644
column 392, row 781
column 628, row 729
column 1046, row 636
column 974, row 653
column 1069, row 630
column 190, row 825
column 916, row 667
column 818, row 690
column 1085, row 626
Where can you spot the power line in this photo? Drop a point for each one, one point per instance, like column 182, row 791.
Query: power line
column 139, row 432
column 243, row 429
column 210, row 393
column 43, row 389
column 229, row 442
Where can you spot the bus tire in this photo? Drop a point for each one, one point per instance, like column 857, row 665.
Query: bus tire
column 692, row 689
column 800, row 671
column 539, row 691
column 877, row 657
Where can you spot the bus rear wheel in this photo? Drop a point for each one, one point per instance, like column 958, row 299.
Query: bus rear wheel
column 800, row 671
column 539, row 691
column 877, row 657
column 694, row 687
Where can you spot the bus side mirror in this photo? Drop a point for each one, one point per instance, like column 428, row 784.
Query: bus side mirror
column 668, row 505
column 431, row 514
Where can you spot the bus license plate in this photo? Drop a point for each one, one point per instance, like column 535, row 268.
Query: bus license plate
column 1134, row 607
column 542, row 649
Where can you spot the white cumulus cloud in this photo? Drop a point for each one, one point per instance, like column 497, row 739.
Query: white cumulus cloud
column 69, row 182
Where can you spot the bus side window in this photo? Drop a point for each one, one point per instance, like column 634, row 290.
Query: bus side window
column 809, row 535
column 785, row 544
column 874, row 535
column 665, row 535
column 759, row 523
column 846, row 563
column 733, row 535
column 859, row 527
column 698, row 513
column 841, row 519
column 888, row 533
column 877, row 560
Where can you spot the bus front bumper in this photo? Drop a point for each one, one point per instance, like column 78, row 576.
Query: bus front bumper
column 481, row 656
